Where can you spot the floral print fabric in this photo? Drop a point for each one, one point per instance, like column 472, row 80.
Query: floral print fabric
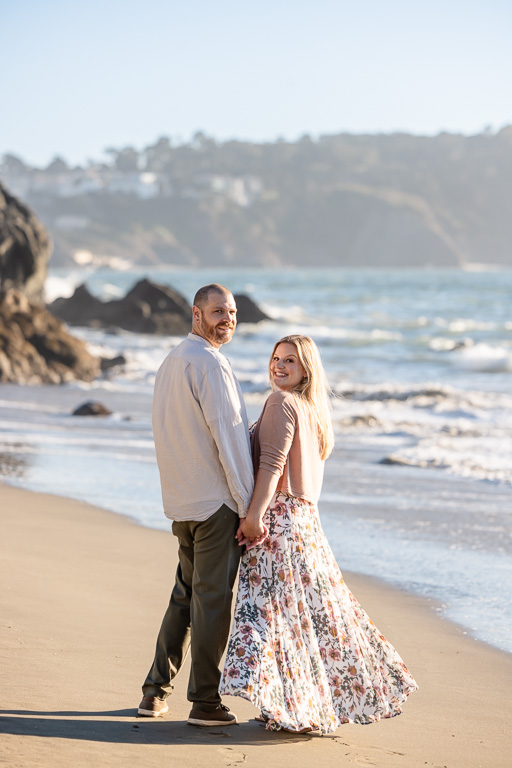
column 301, row 648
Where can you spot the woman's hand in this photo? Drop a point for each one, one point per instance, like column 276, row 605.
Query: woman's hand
column 251, row 532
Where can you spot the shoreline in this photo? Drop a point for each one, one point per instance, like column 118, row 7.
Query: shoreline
column 432, row 604
column 436, row 603
column 82, row 613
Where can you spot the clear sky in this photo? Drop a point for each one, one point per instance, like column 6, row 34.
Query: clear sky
column 82, row 76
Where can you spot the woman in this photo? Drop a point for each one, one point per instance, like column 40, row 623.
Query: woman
column 301, row 648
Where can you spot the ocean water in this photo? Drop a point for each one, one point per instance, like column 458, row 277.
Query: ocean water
column 418, row 491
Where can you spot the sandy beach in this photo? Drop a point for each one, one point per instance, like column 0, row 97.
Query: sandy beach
column 83, row 593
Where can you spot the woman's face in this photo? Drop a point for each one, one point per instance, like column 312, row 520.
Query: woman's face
column 286, row 371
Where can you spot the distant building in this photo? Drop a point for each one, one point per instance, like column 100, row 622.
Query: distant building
column 75, row 182
column 242, row 190
column 143, row 185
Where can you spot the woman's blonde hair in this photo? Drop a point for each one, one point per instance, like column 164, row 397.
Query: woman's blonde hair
column 314, row 388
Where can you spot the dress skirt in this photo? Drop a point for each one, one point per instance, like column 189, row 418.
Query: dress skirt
column 301, row 647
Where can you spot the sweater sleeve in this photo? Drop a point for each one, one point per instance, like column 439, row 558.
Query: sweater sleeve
column 276, row 432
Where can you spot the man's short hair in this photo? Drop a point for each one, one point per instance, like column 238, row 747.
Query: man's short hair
column 202, row 296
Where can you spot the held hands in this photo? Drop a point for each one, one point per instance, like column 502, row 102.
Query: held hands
column 251, row 532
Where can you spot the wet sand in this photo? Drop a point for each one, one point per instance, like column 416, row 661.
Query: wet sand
column 83, row 593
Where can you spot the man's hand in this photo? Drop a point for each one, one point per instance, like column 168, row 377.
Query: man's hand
column 251, row 532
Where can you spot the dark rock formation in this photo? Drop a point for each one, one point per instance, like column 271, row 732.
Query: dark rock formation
column 35, row 347
column 107, row 363
column 131, row 313
column 92, row 408
column 170, row 312
column 24, row 248
column 248, row 310
column 147, row 308
column 85, row 309
column 160, row 298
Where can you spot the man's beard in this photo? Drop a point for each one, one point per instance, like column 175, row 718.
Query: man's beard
column 211, row 333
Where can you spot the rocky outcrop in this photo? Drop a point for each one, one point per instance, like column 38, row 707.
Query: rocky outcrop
column 248, row 310
column 24, row 248
column 36, row 348
column 158, row 315
column 161, row 298
column 147, row 308
column 82, row 308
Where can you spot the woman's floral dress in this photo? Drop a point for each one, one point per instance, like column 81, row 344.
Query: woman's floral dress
column 301, row 648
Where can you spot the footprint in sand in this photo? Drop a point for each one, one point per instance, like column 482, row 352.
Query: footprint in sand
column 231, row 756
column 371, row 760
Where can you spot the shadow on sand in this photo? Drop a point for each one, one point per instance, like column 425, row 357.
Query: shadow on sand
column 126, row 728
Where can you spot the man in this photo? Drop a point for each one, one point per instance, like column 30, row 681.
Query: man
column 203, row 453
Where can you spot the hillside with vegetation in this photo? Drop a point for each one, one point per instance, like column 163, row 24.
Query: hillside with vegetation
column 341, row 200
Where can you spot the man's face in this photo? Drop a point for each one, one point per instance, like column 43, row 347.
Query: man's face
column 216, row 321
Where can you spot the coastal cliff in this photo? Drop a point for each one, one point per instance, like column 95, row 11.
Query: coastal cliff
column 336, row 201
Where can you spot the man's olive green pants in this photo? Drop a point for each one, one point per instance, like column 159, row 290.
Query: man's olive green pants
column 199, row 612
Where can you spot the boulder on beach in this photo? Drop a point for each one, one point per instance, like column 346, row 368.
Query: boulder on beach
column 25, row 248
column 92, row 408
column 36, row 348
